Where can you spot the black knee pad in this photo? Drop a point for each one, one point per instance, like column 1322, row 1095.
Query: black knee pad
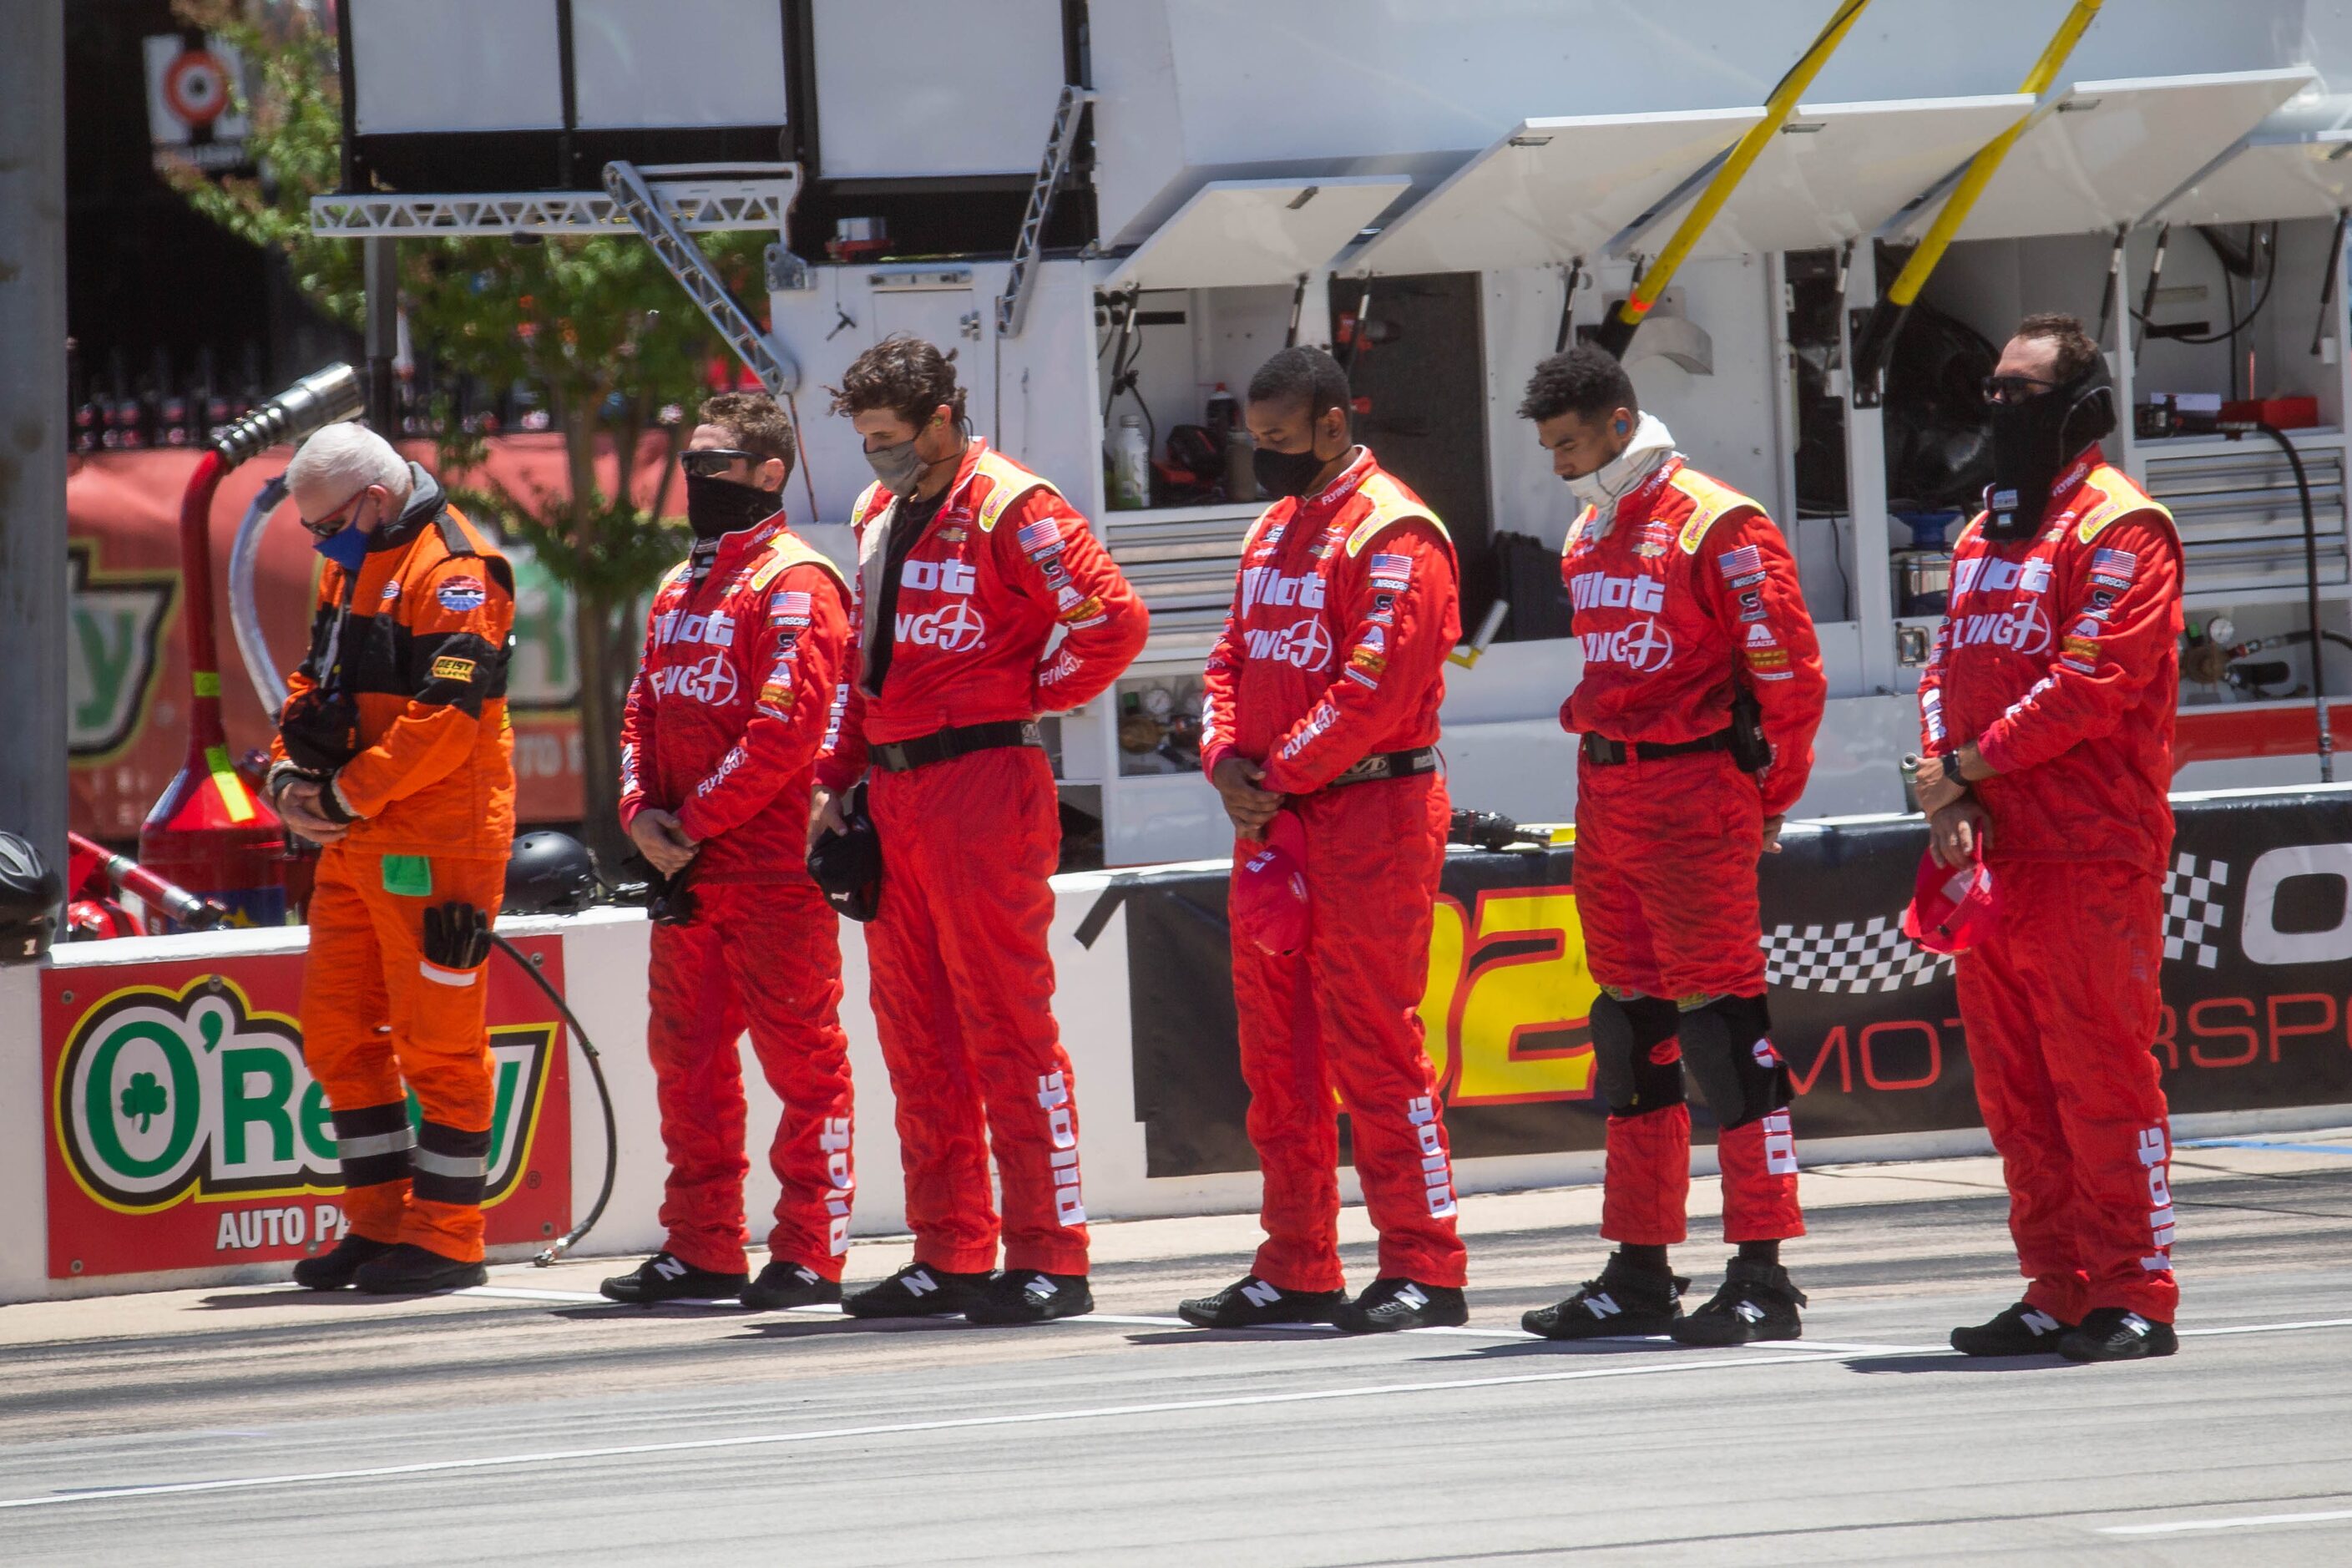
column 1624, row 1036
column 1741, row 1076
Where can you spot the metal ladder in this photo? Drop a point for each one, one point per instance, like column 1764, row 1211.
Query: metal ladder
column 776, row 370
column 1012, row 305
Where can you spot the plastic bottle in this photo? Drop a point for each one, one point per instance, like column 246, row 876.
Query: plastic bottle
column 1130, row 465
column 1240, row 466
column 1224, row 414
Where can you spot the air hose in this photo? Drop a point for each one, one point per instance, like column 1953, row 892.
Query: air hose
column 603, row 1095
column 2326, row 740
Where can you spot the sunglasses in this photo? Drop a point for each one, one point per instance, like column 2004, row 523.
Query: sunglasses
column 710, row 462
column 2015, row 388
column 333, row 521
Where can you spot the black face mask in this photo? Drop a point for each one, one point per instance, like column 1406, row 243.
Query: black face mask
column 717, row 507
column 1286, row 473
column 2032, row 441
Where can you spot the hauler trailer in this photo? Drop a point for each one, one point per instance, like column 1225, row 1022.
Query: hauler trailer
column 1111, row 209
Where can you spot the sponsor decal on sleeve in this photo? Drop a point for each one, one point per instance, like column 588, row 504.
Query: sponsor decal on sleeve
column 788, row 608
column 462, row 596
column 1737, row 564
column 447, row 668
column 1392, row 570
column 1751, row 607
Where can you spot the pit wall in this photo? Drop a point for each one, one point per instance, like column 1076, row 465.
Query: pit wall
column 603, row 956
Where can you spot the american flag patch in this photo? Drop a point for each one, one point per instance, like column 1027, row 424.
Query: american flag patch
column 1399, row 567
column 1040, row 535
column 1734, row 563
column 790, row 603
column 2116, row 563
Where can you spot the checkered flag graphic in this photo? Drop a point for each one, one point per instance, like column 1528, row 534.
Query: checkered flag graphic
column 2192, row 909
column 1873, row 955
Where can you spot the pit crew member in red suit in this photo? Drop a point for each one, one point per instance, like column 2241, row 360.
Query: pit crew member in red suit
column 2046, row 724
column 980, row 601
column 1701, row 691
column 1322, row 699
column 744, row 644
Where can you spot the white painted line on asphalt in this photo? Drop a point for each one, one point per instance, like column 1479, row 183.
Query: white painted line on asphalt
column 897, row 1428
column 2250, row 1521
column 2271, row 1328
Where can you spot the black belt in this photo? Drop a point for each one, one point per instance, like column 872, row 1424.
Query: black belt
column 956, row 740
column 1388, row 765
column 1606, row 752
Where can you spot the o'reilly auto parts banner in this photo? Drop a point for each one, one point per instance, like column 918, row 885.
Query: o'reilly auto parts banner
column 185, row 1132
column 2257, row 984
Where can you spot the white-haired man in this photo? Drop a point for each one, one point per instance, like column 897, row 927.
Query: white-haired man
column 393, row 751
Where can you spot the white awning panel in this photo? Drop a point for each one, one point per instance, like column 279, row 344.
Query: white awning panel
column 2297, row 164
column 1836, row 171
column 1238, row 232
column 1550, row 191
column 2109, row 150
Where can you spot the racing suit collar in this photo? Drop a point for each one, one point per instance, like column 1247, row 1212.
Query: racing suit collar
column 732, row 547
column 953, row 494
column 1630, row 472
column 425, row 502
column 1350, row 479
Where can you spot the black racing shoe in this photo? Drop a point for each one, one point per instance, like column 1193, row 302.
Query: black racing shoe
column 781, row 1285
column 1757, row 1303
column 917, row 1290
column 2020, row 1330
column 1249, row 1302
column 334, row 1270
column 1394, row 1302
column 2115, row 1333
column 1625, row 1301
column 1030, row 1296
column 666, row 1277
column 408, row 1270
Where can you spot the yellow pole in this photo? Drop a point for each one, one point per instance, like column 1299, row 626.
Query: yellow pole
column 1777, row 110
column 1886, row 317
column 1988, row 161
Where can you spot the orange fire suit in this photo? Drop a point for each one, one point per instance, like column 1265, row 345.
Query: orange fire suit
column 417, row 639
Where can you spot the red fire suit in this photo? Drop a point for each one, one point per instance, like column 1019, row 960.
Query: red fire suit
column 963, row 984
column 1686, row 596
column 1332, row 658
column 2059, row 658
column 743, row 650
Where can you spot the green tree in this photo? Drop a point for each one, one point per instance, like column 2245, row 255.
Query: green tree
column 597, row 325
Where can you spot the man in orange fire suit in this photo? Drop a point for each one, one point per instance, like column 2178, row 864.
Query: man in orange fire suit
column 2046, row 718
column 1322, row 698
column 1701, row 691
column 744, row 645
column 394, row 752
column 970, row 566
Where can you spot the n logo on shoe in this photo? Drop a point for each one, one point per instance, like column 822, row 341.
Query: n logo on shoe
column 1411, row 1295
column 1750, row 1311
column 668, row 1268
column 919, row 1283
column 1602, row 1306
column 2039, row 1322
column 1258, row 1293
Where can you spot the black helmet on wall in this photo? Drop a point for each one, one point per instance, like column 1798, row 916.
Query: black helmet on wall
column 30, row 892
column 549, row 874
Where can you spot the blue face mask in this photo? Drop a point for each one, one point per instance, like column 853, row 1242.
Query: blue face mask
column 347, row 546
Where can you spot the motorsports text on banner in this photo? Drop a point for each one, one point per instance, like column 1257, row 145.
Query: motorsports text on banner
column 2257, row 986
column 185, row 1132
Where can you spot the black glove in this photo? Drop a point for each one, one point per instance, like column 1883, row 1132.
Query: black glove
column 457, row 936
